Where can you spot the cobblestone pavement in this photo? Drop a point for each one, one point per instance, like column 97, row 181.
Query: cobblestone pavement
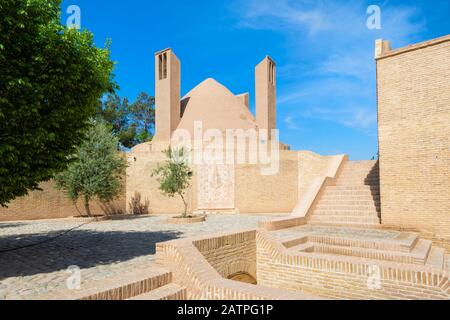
column 101, row 249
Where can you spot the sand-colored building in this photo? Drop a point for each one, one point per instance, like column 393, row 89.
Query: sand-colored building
column 351, row 230
column 407, row 189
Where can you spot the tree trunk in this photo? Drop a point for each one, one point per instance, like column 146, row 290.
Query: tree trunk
column 86, row 206
column 185, row 205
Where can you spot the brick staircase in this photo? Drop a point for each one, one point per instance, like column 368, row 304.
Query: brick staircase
column 352, row 199
column 399, row 247
column 152, row 284
column 170, row 291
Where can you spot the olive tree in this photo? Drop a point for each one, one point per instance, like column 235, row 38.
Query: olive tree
column 174, row 175
column 96, row 169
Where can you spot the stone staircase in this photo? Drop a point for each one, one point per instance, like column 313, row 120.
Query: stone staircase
column 352, row 199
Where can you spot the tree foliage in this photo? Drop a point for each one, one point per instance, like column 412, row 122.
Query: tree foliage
column 114, row 111
column 174, row 175
column 51, row 80
column 143, row 113
column 132, row 123
column 96, row 169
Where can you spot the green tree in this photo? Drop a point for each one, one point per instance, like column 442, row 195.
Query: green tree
column 128, row 136
column 51, row 80
column 174, row 175
column 143, row 112
column 95, row 170
column 114, row 111
column 132, row 123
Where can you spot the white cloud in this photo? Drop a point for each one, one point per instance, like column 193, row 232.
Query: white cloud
column 352, row 117
column 281, row 14
column 290, row 122
column 337, row 72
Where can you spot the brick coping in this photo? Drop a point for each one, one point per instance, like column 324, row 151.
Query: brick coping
column 191, row 269
column 414, row 47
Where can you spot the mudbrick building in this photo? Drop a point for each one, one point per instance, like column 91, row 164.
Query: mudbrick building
column 351, row 230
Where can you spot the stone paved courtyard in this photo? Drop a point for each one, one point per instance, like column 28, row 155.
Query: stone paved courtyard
column 101, row 249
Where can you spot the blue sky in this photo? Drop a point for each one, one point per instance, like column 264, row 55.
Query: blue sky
column 323, row 49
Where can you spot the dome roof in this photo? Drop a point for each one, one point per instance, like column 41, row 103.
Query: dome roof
column 217, row 108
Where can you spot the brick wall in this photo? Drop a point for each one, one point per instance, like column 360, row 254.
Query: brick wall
column 254, row 192
column 52, row 204
column 414, row 132
column 230, row 254
column 140, row 181
column 191, row 269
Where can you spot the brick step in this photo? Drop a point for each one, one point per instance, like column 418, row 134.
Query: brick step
column 407, row 242
column 349, row 194
column 359, row 187
column 348, row 225
column 340, row 198
column 366, row 171
column 350, row 213
column 436, row 258
column 128, row 285
column 418, row 256
column 359, row 175
column 370, row 209
column 361, row 170
column 347, row 202
column 170, row 291
column 355, row 166
column 346, row 193
column 336, row 199
column 357, row 181
column 345, row 184
column 421, row 250
column 361, row 163
column 344, row 219
column 363, row 175
column 347, row 207
column 304, row 247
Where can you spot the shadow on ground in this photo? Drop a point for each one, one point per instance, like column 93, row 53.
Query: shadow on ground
column 84, row 248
